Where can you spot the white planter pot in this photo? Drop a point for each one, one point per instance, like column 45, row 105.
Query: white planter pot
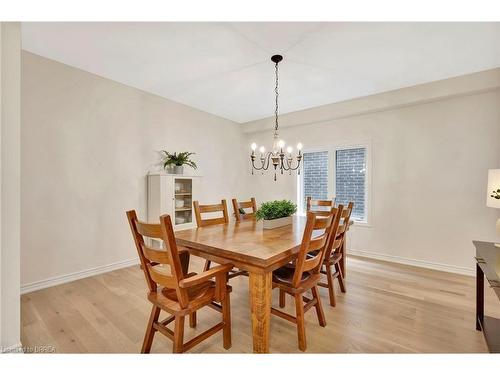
column 276, row 223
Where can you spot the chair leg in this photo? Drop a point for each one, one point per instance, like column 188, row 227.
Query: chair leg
column 301, row 329
column 226, row 318
column 331, row 290
column 178, row 334
column 192, row 319
column 319, row 307
column 150, row 331
column 341, row 278
column 207, row 265
column 282, row 298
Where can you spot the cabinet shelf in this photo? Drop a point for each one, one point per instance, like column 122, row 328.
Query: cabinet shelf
column 183, row 209
column 181, row 194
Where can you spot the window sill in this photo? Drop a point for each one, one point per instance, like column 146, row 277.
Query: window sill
column 363, row 224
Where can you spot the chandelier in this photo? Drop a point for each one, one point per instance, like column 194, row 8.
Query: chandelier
column 277, row 156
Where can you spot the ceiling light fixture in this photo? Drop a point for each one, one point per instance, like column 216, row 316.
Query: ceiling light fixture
column 276, row 157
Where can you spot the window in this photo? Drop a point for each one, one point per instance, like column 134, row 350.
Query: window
column 339, row 172
column 315, row 175
column 350, row 180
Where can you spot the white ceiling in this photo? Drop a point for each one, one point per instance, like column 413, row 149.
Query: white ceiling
column 225, row 68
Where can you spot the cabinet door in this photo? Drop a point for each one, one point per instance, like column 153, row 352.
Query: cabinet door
column 167, row 200
column 183, row 202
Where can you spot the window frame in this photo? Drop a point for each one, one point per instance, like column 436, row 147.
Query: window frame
column 332, row 153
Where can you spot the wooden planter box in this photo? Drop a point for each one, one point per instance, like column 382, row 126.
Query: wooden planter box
column 276, row 223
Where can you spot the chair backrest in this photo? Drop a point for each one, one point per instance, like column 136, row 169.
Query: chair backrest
column 318, row 205
column 162, row 267
column 335, row 243
column 313, row 246
column 239, row 209
column 206, row 208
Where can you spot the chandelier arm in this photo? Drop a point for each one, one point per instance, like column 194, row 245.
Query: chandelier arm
column 284, row 167
column 257, row 168
column 268, row 160
column 296, row 167
column 290, row 163
column 265, row 161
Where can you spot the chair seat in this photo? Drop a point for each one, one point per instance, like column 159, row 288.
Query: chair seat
column 285, row 274
column 199, row 295
column 334, row 258
column 193, row 292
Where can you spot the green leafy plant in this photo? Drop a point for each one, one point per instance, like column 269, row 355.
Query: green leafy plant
column 178, row 159
column 496, row 194
column 275, row 210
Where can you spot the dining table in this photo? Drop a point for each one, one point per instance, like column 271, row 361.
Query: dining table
column 251, row 248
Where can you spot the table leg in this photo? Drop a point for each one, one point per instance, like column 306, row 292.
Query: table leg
column 479, row 297
column 260, row 288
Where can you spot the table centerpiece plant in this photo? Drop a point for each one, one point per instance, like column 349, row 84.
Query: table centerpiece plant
column 276, row 213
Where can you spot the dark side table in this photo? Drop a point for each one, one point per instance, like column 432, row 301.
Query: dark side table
column 487, row 265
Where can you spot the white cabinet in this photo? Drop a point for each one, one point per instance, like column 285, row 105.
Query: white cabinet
column 173, row 195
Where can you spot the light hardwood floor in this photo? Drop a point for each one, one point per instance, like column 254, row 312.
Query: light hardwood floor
column 388, row 308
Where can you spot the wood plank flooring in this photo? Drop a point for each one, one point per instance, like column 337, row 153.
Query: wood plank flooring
column 388, row 308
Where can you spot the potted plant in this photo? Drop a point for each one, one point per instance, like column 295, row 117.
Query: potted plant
column 276, row 213
column 174, row 163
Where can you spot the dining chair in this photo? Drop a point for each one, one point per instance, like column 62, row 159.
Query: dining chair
column 334, row 254
column 203, row 222
column 239, row 209
column 319, row 203
column 210, row 208
column 173, row 290
column 303, row 274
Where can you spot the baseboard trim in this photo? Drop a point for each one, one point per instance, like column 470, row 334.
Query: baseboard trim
column 17, row 348
column 414, row 262
column 53, row 281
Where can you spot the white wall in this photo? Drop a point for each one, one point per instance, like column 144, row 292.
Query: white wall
column 431, row 148
column 87, row 144
column 10, row 67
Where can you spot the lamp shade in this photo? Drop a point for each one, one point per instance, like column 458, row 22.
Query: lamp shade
column 493, row 192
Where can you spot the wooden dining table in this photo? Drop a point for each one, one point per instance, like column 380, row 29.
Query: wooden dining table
column 251, row 248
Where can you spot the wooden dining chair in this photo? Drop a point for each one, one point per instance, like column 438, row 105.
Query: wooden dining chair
column 175, row 291
column 239, row 209
column 210, row 208
column 318, row 205
column 203, row 222
column 334, row 255
column 304, row 273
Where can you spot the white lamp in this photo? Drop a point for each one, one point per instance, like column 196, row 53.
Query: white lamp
column 493, row 193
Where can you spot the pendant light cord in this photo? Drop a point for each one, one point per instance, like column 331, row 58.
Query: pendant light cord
column 276, row 108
